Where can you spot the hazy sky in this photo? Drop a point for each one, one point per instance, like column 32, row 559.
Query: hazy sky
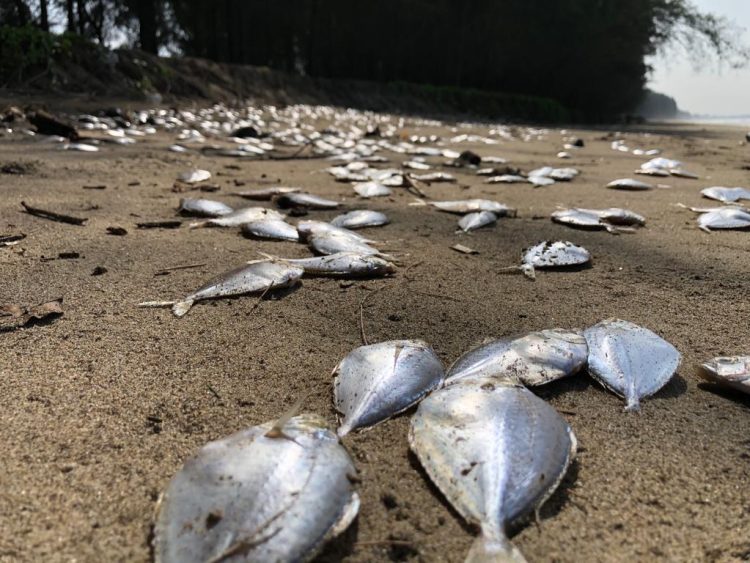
column 708, row 90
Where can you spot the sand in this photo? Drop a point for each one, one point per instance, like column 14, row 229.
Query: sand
column 99, row 408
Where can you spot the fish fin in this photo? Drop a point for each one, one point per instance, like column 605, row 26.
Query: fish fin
column 156, row 304
column 347, row 517
column 704, row 228
column 633, row 405
column 491, row 550
column 180, row 308
column 528, row 271
column 277, row 430
column 197, row 225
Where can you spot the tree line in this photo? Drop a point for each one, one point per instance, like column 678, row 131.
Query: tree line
column 590, row 55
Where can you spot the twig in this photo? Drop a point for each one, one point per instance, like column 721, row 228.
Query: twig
column 362, row 315
column 173, row 268
column 52, row 216
column 159, row 225
column 214, row 393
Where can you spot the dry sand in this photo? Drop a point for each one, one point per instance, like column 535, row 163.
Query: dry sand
column 99, row 408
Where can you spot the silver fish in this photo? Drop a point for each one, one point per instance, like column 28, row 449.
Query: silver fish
column 360, row 219
column 629, row 184
column 540, row 181
column 496, row 451
column 194, row 176
column 308, row 229
column 274, row 492
column 371, row 189
column 505, row 179
column 732, row 372
column 533, row 359
column 305, row 200
column 271, row 229
column 204, row 207
column 474, row 205
column 342, row 264
column 613, row 219
column 725, row 218
column 726, row 195
column 375, row 382
column 333, row 243
column 629, row 360
column 557, row 254
column 266, row 193
column 239, row 217
column 254, row 277
column 474, row 221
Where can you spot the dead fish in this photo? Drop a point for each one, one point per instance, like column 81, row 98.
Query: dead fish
column 533, row 359
column 360, row 219
column 629, row 360
column 81, row 147
column 612, row 219
column 474, row 206
column 474, row 221
column 724, row 218
column 308, row 229
column 416, row 165
column 309, row 201
column 549, row 254
column 505, row 179
column 732, row 372
column 194, row 176
column 274, row 492
column 371, row 189
column 239, row 217
column 266, row 194
column 540, row 181
column 375, row 382
column 726, row 195
column 254, row 277
column 342, row 264
column 435, row 177
column 204, row 207
column 271, row 229
column 652, row 171
column 334, row 243
column 629, row 184
column 682, row 173
column 496, row 452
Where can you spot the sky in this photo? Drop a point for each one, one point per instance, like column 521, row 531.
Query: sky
column 708, row 90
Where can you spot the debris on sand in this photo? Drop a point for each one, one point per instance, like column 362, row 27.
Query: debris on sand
column 17, row 316
column 52, row 215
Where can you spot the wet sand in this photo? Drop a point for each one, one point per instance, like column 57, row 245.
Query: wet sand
column 99, row 408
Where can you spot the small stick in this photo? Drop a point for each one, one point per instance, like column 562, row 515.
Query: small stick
column 52, row 216
column 159, row 225
column 214, row 393
column 173, row 268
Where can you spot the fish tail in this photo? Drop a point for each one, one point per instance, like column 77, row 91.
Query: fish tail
column 633, row 405
column 487, row 549
column 180, row 308
column 344, row 429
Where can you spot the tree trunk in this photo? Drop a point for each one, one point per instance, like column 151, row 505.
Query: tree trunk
column 81, row 17
column 43, row 15
column 147, row 26
column 71, row 16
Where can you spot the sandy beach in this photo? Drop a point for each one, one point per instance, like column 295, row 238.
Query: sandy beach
column 102, row 406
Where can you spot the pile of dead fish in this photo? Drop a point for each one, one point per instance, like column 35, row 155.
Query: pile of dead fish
column 278, row 491
column 341, row 251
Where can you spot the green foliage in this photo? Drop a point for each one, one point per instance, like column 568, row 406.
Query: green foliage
column 23, row 50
